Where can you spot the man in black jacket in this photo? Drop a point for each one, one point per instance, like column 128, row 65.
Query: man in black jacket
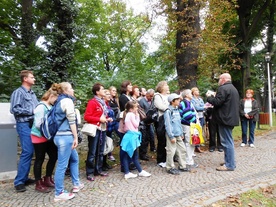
column 226, row 114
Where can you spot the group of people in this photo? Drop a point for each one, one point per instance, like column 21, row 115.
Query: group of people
column 126, row 116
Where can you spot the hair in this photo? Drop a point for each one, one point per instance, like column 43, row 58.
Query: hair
column 185, row 93
column 51, row 91
column 124, row 86
column 160, row 86
column 250, row 91
column 24, row 74
column 62, row 87
column 96, row 87
column 129, row 105
column 149, row 91
column 133, row 89
column 193, row 89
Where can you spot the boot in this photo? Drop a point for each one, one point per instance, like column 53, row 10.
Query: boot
column 48, row 181
column 41, row 187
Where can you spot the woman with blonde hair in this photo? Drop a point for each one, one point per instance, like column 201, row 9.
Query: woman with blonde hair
column 41, row 144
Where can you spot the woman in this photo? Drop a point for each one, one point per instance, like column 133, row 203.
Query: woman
column 96, row 113
column 160, row 101
column 199, row 105
column 188, row 116
column 66, row 140
column 249, row 115
column 41, row 144
column 126, row 88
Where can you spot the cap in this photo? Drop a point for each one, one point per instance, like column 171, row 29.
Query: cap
column 172, row 97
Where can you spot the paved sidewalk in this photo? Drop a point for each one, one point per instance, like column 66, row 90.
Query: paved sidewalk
column 256, row 167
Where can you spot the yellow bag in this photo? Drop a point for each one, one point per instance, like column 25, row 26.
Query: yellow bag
column 196, row 134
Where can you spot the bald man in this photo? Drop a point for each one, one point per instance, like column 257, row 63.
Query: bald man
column 226, row 115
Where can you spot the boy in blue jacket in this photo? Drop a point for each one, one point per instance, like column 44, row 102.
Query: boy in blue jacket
column 174, row 137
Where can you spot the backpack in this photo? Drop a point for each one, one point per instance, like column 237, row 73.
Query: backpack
column 152, row 113
column 49, row 125
column 161, row 129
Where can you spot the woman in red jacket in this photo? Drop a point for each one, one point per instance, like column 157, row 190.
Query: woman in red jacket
column 96, row 114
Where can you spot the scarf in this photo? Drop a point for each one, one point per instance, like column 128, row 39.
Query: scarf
column 101, row 101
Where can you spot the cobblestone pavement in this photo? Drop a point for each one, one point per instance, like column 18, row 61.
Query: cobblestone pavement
column 256, row 167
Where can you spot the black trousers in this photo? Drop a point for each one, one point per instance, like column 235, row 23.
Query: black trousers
column 214, row 138
column 161, row 145
column 145, row 130
column 40, row 150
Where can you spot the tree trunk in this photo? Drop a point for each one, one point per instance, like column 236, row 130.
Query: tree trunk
column 187, row 41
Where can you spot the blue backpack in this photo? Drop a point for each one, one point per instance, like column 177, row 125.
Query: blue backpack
column 49, row 125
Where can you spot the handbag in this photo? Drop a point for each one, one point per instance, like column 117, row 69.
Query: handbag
column 108, row 147
column 89, row 129
column 141, row 113
column 196, row 137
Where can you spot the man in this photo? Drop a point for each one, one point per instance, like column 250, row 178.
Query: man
column 146, row 129
column 226, row 115
column 23, row 103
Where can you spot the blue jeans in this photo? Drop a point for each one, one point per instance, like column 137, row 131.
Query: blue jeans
column 24, row 165
column 126, row 159
column 94, row 160
column 244, row 126
column 227, row 143
column 65, row 152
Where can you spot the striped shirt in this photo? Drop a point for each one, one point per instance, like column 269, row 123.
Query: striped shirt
column 23, row 103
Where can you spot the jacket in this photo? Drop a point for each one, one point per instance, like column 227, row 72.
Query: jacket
column 187, row 112
column 131, row 141
column 173, row 122
column 254, row 113
column 226, row 105
column 93, row 112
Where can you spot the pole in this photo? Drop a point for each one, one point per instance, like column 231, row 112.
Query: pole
column 269, row 95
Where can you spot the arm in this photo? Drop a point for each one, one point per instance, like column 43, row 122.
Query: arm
column 39, row 114
column 168, row 125
column 198, row 104
column 18, row 106
column 134, row 119
column 93, row 112
column 159, row 103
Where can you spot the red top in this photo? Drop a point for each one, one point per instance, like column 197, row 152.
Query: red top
column 93, row 112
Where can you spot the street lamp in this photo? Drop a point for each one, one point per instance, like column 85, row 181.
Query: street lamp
column 267, row 59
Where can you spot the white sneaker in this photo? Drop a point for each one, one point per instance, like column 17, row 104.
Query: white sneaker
column 242, row 144
column 194, row 155
column 252, row 145
column 162, row 164
column 78, row 188
column 130, row 175
column 144, row 173
column 64, row 196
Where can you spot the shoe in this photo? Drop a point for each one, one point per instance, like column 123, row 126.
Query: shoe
column 220, row 149
column 103, row 174
column 130, row 175
column 211, row 150
column 184, row 169
column 77, row 188
column 195, row 165
column 144, row 158
column 29, row 182
column 111, row 158
column 162, row 164
column 144, row 173
column 242, row 144
column 194, row 155
column 49, row 182
column 90, row 178
column 173, row 171
column 20, row 188
column 197, row 149
column 252, row 145
column 41, row 187
column 64, row 196
column 223, row 168
column 106, row 167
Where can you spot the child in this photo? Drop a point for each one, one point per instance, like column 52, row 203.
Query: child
column 174, row 137
column 131, row 140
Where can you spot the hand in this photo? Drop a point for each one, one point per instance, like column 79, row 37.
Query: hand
column 110, row 120
column 103, row 119
column 173, row 140
column 75, row 143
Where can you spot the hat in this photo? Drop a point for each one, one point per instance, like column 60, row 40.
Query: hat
column 172, row 97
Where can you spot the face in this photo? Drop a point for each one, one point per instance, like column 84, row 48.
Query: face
column 176, row 102
column 107, row 95
column 221, row 80
column 166, row 89
column 70, row 90
column 129, row 88
column 136, row 92
column 143, row 91
column 196, row 92
column 113, row 92
column 248, row 95
column 101, row 92
column 189, row 96
column 30, row 79
column 149, row 96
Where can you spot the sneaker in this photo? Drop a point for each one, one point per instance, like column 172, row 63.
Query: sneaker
column 20, row 188
column 144, row 173
column 162, row 164
column 252, row 145
column 223, row 168
column 242, row 144
column 194, row 155
column 184, row 169
column 195, row 165
column 112, row 158
column 90, row 178
column 130, row 175
column 173, row 171
column 78, row 188
column 64, row 196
